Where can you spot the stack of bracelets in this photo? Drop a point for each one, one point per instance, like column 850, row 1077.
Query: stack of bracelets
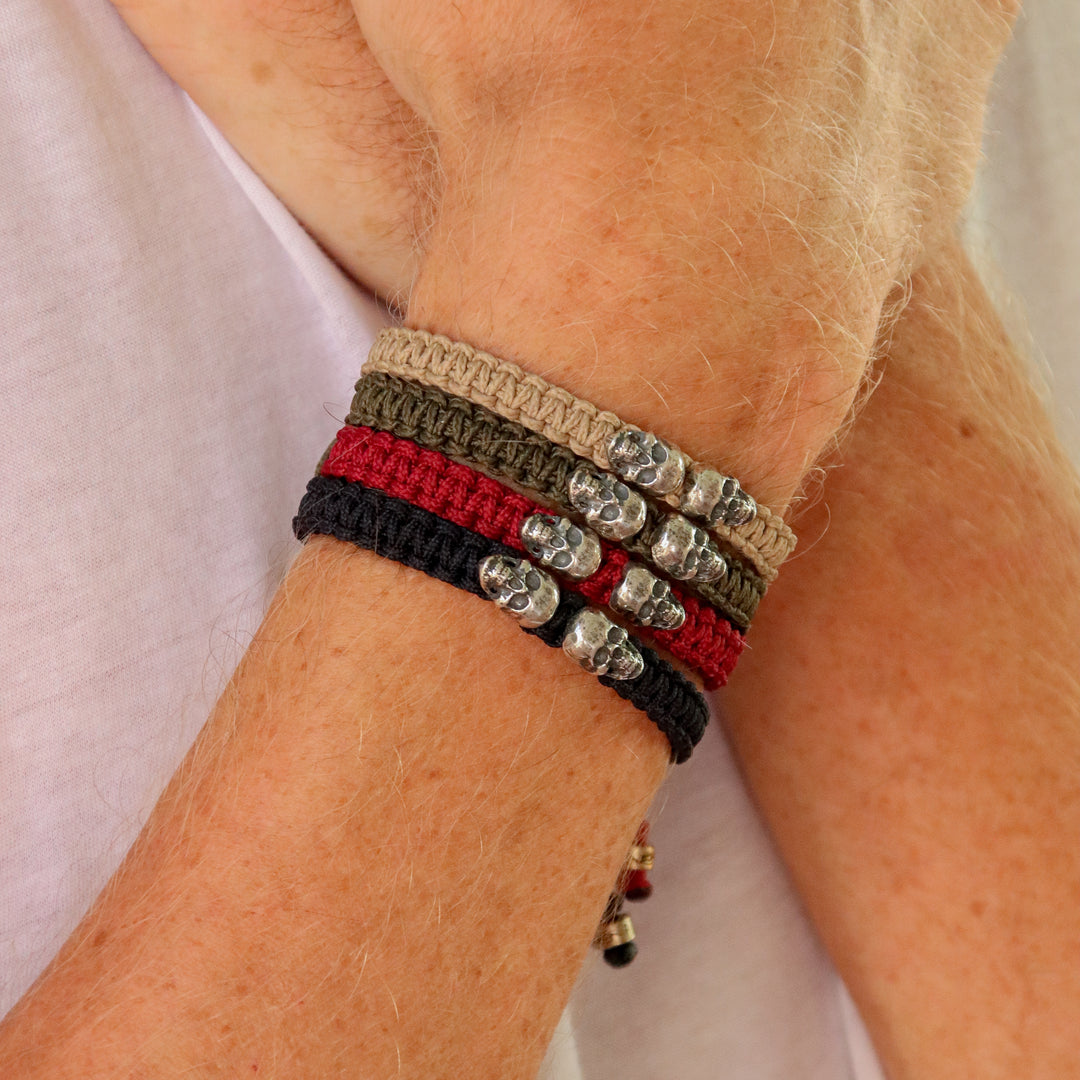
column 486, row 477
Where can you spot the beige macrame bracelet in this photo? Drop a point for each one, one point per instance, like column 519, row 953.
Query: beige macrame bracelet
column 514, row 394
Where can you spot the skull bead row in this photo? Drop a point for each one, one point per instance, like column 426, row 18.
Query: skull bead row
column 531, row 596
column 561, row 545
column 680, row 548
column 656, row 466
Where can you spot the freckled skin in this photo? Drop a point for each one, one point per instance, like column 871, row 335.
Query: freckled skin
column 628, row 174
column 907, row 692
column 703, row 257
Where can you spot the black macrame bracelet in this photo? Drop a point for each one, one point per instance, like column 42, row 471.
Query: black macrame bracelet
column 414, row 537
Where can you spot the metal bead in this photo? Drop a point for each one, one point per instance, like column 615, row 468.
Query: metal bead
column 601, row 647
column 621, row 955
column 646, row 461
column 616, row 931
column 642, row 857
column 607, row 504
column 685, row 552
column 647, row 599
column 524, row 591
column 716, row 498
column 562, row 545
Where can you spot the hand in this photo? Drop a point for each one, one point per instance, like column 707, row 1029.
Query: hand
column 733, row 191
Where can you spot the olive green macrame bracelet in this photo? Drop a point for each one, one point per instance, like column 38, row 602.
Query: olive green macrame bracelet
column 507, row 451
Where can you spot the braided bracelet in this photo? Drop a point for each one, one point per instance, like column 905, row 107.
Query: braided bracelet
column 396, row 530
column 643, row 459
column 689, row 630
column 502, row 448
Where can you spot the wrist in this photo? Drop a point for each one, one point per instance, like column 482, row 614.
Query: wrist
column 619, row 297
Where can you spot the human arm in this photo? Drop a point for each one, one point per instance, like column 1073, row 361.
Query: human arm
column 354, row 863
column 730, row 192
column 286, row 904
column 908, row 717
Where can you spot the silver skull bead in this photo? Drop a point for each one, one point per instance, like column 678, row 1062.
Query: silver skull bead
column 607, row 504
column 647, row 599
column 717, row 499
column 562, row 545
column 601, row 647
column 524, row 591
column 685, row 551
column 646, row 461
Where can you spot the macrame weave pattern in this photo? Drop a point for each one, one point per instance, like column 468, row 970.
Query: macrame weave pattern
column 551, row 411
column 414, row 537
column 439, row 421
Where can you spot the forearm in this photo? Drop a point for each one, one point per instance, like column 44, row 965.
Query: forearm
column 386, row 855
column 396, row 776
column 909, row 714
column 376, row 788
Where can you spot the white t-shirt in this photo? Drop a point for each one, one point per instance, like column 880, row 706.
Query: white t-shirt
column 175, row 353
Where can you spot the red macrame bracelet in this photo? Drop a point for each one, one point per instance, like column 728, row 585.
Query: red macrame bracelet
column 705, row 642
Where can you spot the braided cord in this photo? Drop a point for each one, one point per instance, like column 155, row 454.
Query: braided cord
column 551, row 411
column 451, row 425
column 414, row 537
column 457, row 493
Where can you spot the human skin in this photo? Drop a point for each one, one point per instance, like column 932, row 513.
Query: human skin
column 185, row 977
column 924, row 793
column 342, row 879
column 731, row 192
